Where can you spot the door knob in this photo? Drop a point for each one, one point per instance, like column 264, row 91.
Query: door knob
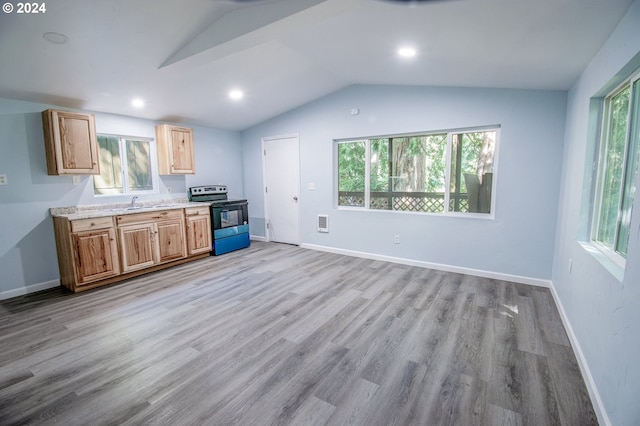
column 295, row 198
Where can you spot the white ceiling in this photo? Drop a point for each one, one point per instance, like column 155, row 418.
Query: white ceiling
column 182, row 57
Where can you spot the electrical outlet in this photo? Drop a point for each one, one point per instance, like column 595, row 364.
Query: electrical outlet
column 3, row 180
column 75, row 180
column 311, row 186
column 396, row 239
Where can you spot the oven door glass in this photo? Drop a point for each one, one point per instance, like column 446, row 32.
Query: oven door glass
column 230, row 217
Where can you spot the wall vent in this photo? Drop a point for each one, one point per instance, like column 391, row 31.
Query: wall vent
column 323, row 223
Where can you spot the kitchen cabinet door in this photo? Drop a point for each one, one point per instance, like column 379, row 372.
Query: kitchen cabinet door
column 198, row 231
column 71, row 145
column 171, row 240
column 96, row 255
column 175, row 150
column 138, row 246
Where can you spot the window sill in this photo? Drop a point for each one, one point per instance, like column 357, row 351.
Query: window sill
column 482, row 216
column 609, row 264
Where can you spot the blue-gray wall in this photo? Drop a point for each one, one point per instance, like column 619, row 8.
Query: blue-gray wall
column 602, row 309
column 518, row 242
column 28, row 258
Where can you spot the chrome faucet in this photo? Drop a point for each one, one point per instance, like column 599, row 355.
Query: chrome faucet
column 133, row 202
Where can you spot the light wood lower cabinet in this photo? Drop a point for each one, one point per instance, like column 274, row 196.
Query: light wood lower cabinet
column 138, row 245
column 150, row 238
column 87, row 251
column 171, row 240
column 96, row 256
column 99, row 251
column 198, row 230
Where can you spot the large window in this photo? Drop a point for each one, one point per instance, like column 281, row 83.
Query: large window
column 127, row 166
column 617, row 170
column 448, row 172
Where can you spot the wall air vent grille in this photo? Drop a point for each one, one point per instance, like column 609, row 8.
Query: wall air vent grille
column 323, row 223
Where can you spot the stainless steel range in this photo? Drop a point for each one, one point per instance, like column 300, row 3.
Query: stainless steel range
column 229, row 218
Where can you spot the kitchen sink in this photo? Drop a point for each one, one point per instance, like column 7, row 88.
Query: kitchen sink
column 123, row 209
column 159, row 206
column 142, row 207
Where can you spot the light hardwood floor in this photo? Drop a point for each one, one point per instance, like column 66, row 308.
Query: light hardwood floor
column 275, row 334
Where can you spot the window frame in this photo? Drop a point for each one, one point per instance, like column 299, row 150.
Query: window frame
column 153, row 159
column 447, row 173
column 601, row 168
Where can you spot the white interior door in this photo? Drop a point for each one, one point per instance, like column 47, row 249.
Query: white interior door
column 282, row 188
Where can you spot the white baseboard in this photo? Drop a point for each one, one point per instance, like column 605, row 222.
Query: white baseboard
column 258, row 238
column 437, row 266
column 598, row 405
column 8, row 294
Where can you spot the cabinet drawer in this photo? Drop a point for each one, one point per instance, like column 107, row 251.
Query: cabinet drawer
column 197, row 211
column 149, row 216
column 90, row 224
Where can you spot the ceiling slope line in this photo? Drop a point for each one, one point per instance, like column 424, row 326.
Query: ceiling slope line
column 259, row 20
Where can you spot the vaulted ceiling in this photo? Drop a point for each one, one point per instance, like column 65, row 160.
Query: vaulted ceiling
column 183, row 57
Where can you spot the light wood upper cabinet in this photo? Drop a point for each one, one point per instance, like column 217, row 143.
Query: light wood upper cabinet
column 87, row 251
column 175, row 150
column 198, row 230
column 70, row 143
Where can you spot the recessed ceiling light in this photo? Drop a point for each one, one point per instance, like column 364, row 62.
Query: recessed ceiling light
column 236, row 94
column 407, row 52
column 55, row 38
column 137, row 103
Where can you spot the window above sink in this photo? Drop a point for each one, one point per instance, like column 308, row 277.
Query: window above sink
column 128, row 165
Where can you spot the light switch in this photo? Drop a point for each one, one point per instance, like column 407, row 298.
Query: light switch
column 311, row 186
column 3, row 180
column 75, row 180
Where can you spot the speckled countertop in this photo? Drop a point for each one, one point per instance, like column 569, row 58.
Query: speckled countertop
column 101, row 210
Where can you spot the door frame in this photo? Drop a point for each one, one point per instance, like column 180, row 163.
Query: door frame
column 265, row 139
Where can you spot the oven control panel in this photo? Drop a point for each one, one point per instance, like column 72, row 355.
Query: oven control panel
column 208, row 190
